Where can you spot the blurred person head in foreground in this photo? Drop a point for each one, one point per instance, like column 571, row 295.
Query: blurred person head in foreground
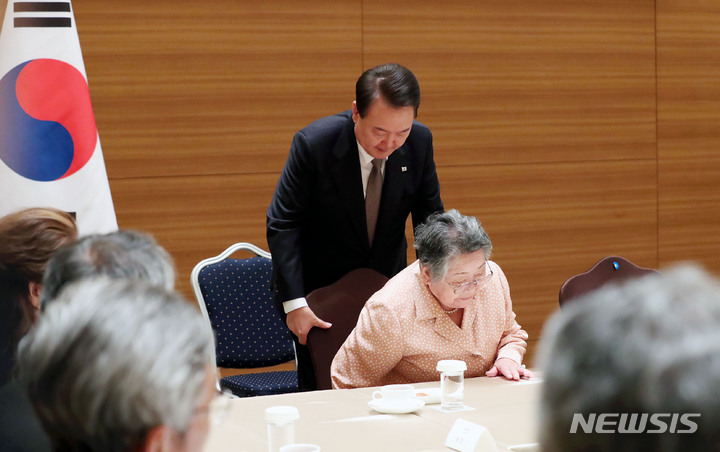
column 28, row 238
column 119, row 366
column 124, row 254
column 635, row 367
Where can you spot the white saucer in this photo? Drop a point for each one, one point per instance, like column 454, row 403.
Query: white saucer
column 428, row 395
column 380, row 406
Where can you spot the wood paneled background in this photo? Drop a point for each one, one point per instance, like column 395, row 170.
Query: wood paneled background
column 572, row 129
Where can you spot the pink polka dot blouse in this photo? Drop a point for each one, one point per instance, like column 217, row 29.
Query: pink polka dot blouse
column 403, row 332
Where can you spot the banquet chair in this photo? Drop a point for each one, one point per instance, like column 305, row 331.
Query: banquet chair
column 606, row 270
column 340, row 304
column 235, row 298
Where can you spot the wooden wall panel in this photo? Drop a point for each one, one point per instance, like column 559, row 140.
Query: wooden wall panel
column 543, row 115
column 688, row 40
column 551, row 221
column 196, row 104
column 196, row 217
column 219, row 87
column 525, row 81
column 547, row 123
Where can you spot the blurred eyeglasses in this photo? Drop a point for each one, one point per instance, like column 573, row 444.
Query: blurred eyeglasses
column 220, row 407
column 474, row 284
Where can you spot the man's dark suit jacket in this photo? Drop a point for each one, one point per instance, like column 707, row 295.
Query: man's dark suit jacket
column 316, row 227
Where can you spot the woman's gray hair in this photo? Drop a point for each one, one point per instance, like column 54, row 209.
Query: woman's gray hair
column 109, row 360
column 446, row 235
column 118, row 255
column 650, row 345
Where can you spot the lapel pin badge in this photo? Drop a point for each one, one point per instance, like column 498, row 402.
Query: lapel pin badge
column 404, row 168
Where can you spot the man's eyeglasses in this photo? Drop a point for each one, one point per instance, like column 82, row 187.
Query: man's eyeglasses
column 474, row 284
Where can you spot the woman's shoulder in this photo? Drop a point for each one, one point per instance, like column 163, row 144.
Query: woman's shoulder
column 496, row 269
column 393, row 298
column 398, row 295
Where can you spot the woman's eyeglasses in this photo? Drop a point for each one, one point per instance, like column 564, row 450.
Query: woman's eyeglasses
column 474, row 284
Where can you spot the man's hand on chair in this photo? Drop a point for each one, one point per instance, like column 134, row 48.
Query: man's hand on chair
column 301, row 320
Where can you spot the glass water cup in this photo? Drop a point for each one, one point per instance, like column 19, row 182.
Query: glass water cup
column 281, row 426
column 452, row 383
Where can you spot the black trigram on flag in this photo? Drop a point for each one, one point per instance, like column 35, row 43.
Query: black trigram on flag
column 45, row 15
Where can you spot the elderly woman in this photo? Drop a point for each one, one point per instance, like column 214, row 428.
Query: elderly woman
column 453, row 303
column 28, row 238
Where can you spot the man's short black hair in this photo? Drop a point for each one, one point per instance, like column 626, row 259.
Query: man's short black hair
column 396, row 84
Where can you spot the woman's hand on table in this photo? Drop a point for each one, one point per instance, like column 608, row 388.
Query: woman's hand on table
column 509, row 369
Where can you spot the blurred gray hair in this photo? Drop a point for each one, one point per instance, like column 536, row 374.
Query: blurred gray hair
column 651, row 345
column 117, row 255
column 446, row 235
column 111, row 359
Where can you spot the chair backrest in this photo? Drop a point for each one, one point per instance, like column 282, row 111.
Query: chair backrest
column 340, row 304
column 608, row 269
column 235, row 297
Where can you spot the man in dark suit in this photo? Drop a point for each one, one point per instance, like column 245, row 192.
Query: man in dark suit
column 321, row 222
